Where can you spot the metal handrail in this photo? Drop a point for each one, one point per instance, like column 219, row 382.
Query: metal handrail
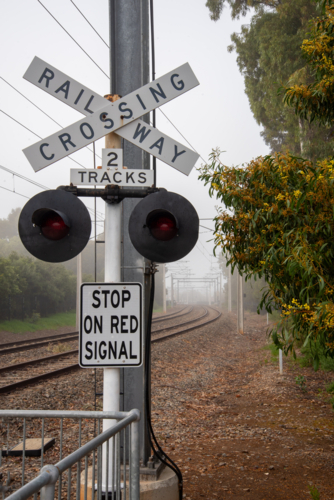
column 50, row 473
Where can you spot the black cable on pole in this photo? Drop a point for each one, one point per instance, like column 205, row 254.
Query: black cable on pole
column 112, row 46
column 159, row 453
column 153, row 78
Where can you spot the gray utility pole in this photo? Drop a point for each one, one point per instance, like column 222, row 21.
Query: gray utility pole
column 129, row 70
column 240, row 304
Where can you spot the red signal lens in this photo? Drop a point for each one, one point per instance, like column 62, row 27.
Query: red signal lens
column 53, row 226
column 162, row 225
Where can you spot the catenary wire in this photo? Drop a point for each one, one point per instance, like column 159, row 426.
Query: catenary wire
column 85, row 18
column 210, row 255
column 170, row 121
column 78, row 44
column 40, row 109
column 99, row 214
column 15, row 192
column 196, row 246
column 22, row 177
column 206, row 227
column 9, row 116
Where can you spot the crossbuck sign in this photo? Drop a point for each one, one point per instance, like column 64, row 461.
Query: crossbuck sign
column 103, row 117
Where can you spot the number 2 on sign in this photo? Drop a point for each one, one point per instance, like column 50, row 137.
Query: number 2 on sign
column 112, row 158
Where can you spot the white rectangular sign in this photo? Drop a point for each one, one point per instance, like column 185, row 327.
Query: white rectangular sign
column 109, row 118
column 112, row 158
column 110, row 325
column 117, row 176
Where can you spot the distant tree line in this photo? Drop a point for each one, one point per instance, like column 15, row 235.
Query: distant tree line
column 29, row 287
column 269, row 56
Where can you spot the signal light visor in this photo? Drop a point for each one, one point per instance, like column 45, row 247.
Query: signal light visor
column 162, row 224
column 54, row 225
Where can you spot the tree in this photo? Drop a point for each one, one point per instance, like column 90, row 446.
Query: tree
column 8, row 227
column 268, row 55
column 281, row 228
column 315, row 101
column 282, row 221
column 239, row 7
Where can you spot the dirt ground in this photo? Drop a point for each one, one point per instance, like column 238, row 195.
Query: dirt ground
column 221, row 411
column 235, row 427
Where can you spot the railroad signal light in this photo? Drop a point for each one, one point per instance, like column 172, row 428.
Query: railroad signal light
column 54, row 226
column 163, row 227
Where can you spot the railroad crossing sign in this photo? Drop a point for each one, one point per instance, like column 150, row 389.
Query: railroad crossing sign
column 104, row 117
column 110, row 331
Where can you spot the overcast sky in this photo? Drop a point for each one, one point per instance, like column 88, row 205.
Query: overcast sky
column 216, row 113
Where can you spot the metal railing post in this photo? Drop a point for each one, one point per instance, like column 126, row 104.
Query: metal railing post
column 48, row 491
column 134, row 460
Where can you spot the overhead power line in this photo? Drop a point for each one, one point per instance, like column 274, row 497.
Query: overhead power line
column 41, row 110
column 15, row 192
column 85, row 18
column 12, row 172
column 22, row 177
column 14, row 119
column 206, row 227
column 78, row 44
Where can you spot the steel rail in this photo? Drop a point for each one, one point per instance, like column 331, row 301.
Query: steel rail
column 186, row 330
column 24, row 345
column 167, row 328
column 36, row 339
column 28, row 347
column 40, row 341
column 18, row 366
column 172, row 315
column 67, row 369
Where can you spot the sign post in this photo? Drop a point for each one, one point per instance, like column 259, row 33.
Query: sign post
column 127, row 272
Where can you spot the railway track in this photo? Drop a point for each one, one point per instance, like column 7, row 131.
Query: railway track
column 177, row 314
column 11, row 374
column 24, row 345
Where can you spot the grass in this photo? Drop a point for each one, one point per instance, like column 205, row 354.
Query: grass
column 273, row 349
column 326, row 363
column 34, row 325
column 58, row 348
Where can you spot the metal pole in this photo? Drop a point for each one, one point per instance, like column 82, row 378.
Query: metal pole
column 112, row 274
column 240, row 304
column 164, row 309
column 79, row 281
column 280, row 362
column 129, row 62
column 229, row 290
column 172, row 291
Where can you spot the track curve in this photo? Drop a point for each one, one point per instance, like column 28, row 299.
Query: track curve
column 72, row 367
